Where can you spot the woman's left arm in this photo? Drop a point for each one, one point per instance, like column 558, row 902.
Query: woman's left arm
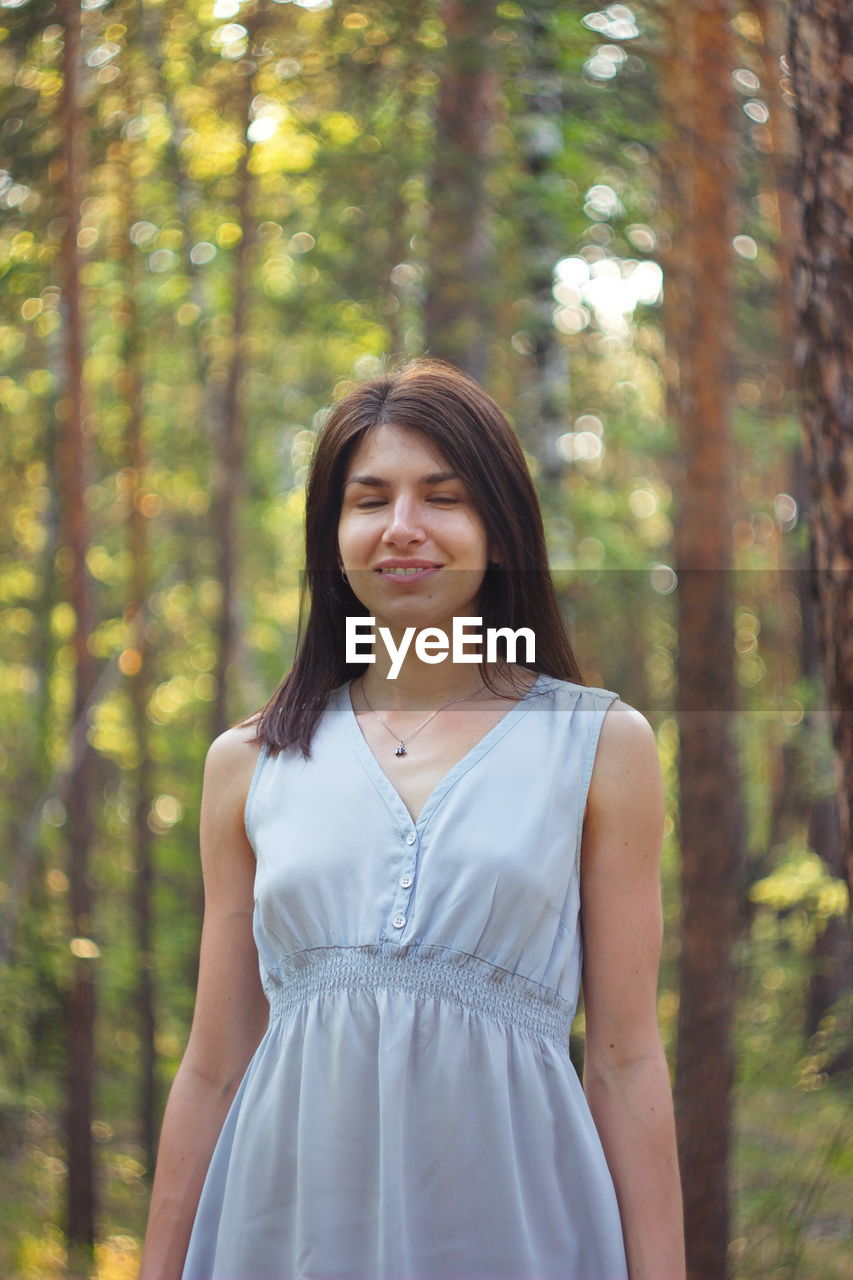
column 626, row 1077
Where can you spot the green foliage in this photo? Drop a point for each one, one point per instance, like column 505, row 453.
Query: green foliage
column 338, row 144
column 801, row 880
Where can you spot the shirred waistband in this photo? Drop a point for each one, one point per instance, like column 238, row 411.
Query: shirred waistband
column 481, row 987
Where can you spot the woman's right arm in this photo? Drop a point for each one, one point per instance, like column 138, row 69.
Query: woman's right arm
column 230, row 1011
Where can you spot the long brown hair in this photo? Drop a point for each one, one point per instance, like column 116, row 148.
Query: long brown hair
column 468, row 428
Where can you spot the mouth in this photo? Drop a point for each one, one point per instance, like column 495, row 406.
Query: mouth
column 408, row 575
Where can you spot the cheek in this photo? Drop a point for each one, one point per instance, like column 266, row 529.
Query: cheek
column 356, row 536
column 346, row 529
column 476, row 531
column 474, row 522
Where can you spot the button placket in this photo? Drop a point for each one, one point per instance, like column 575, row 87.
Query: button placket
column 404, row 884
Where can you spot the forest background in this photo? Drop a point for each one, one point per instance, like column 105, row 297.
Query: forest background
column 216, row 216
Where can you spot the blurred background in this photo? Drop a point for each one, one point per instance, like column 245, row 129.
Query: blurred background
column 215, row 217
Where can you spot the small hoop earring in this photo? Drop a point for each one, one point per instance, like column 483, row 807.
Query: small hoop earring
column 344, row 576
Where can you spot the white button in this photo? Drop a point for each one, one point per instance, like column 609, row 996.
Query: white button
column 411, row 837
column 406, row 881
column 398, row 922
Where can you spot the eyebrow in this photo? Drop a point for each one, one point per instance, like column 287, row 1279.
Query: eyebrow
column 376, row 482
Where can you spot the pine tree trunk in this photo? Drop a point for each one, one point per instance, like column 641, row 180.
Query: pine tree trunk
column 136, row 664
column 229, row 462
column 709, row 785
column 395, row 304
column 79, row 825
column 820, row 53
column 782, row 161
column 832, row 955
column 541, row 244
column 457, row 310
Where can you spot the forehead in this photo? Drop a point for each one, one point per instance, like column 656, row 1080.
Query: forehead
column 400, row 448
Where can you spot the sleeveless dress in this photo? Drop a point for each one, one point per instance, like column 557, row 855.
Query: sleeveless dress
column 412, row 1112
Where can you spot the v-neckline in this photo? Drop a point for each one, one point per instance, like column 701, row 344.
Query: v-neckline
column 384, row 784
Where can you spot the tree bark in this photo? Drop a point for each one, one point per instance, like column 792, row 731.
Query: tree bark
column 710, row 807
column 541, row 244
column 81, row 996
column 820, row 54
column 229, row 462
column 457, row 308
column 832, row 956
column 136, row 663
column 395, row 305
column 782, row 160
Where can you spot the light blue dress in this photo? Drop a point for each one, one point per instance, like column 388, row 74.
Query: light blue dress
column 412, row 1112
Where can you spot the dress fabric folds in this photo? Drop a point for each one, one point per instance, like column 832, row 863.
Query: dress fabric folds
column 412, row 1112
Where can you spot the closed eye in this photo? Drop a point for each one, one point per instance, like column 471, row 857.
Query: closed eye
column 439, row 497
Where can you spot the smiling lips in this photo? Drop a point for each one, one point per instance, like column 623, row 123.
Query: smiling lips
column 408, row 573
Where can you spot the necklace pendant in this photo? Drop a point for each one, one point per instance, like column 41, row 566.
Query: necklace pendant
column 401, row 750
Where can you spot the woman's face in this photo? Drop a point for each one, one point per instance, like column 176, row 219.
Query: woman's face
column 402, row 506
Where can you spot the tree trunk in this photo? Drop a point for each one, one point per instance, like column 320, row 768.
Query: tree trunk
column 79, row 826
column 782, row 160
column 229, row 461
column 711, row 820
column 821, row 49
column 541, row 244
column 832, row 955
column 136, row 662
column 457, row 309
column 398, row 290
column 139, row 670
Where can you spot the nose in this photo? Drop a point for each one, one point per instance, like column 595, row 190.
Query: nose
column 404, row 521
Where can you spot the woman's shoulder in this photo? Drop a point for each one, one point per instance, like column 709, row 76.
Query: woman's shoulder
column 624, row 735
column 569, row 689
column 233, row 755
column 626, row 755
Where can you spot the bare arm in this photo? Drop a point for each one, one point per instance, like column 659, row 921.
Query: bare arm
column 626, row 1078
column 230, row 1012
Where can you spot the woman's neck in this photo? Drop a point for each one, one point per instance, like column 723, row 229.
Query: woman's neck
column 422, row 687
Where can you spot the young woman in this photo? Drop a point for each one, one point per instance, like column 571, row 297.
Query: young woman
column 406, row 881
